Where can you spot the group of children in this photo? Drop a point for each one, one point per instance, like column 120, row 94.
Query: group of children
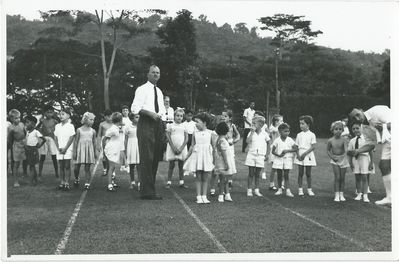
column 191, row 142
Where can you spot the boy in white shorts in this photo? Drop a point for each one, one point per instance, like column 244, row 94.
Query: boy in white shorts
column 283, row 149
column 258, row 151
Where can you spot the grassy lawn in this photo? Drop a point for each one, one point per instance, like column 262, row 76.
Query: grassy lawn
column 121, row 223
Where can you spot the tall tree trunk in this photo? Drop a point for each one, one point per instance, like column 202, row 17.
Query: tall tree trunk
column 106, row 92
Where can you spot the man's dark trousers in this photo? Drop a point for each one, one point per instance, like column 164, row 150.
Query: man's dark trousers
column 149, row 135
column 244, row 139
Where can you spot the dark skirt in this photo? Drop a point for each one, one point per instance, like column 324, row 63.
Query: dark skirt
column 32, row 155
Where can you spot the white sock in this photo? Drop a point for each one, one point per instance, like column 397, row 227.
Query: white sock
column 387, row 184
column 256, row 190
column 181, row 182
column 169, row 182
column 272, row 184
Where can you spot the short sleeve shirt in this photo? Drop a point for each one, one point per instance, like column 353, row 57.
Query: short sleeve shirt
column 259, row 143
column 304, row 140
column 63, row 132
column 190, row 127
column 284, row 145
column 249, row 114
column 352, row 143
column 32, row 138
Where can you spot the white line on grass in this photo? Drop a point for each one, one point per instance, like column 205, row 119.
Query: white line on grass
column 221, row 248
column 64, row 240
column 335, row 232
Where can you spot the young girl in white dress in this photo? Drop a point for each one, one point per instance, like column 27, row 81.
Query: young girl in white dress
column 277, row 120
column 201, row 156
column 306, row 142
column 176, row 148
column 112, row 144
column 132, row 149
column 85, row 148
column 224, row 161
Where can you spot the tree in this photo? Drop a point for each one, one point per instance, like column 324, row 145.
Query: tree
column 288, row 29
column 241, row 28
column 178, row 53
column 115, row 26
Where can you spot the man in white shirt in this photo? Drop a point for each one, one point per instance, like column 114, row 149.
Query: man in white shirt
column 168, row 117
column 376, row 128
column 148, row 102
column 248, row 115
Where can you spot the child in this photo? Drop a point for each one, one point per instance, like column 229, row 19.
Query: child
column 361, row 165
column 125, row 116
column 258, row 151
column 336, row 150
column 64, row 135
column 16, row 142
column 176, row 149
column 34, row 140
column 46, row 127
column 283, row 148
column 104, row 126
column 85, row 151
column 190, row 127
column 201, row 156
column 224, row 161
column 306, row 142
column 233, row 136
column 346, row 132
column 132, row 149
column 112, row 148
column 277, row 120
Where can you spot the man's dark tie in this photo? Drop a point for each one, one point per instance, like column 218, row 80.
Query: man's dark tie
column 156, row 100
column 357, row 142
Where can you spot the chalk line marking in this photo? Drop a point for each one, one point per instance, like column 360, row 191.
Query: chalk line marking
column 64, row 240
column 221, row 248
column 335, row 232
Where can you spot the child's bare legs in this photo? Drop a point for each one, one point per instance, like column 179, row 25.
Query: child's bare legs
column 204, row 182
column 279, row 177
column 170, row 172
column 342, row 179
column 41, row 162
column 286, row 179
column 226, row 185
column 33, row 173
column 358, row 178
column 15, row 173
column 337, row 177
column 212, row 183
column 87, row 173
column 25, row 168
column 131, row 173
column 67, row 170
column 272, row 175
column 111, row 169
column 62, row 172
column 76, row 170
column 180, row 164
column 222, row 185
column 308, row 170
column 198, row 183
column 257, row 175
column 300, row 176
column 251, row 174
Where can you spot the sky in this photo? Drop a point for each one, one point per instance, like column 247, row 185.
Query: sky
column 349, row 25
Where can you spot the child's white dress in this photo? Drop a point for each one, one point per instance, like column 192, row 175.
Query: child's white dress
column 201, row 157
column 112, row 149
column 132, row 154
column 304, row 141
column 223, row 145
column 85, row 149
column 177, row 132
column 63, row 132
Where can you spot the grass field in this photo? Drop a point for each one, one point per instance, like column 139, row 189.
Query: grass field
column 121, row 223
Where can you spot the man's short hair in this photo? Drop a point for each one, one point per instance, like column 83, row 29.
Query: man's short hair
column 125, row 107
